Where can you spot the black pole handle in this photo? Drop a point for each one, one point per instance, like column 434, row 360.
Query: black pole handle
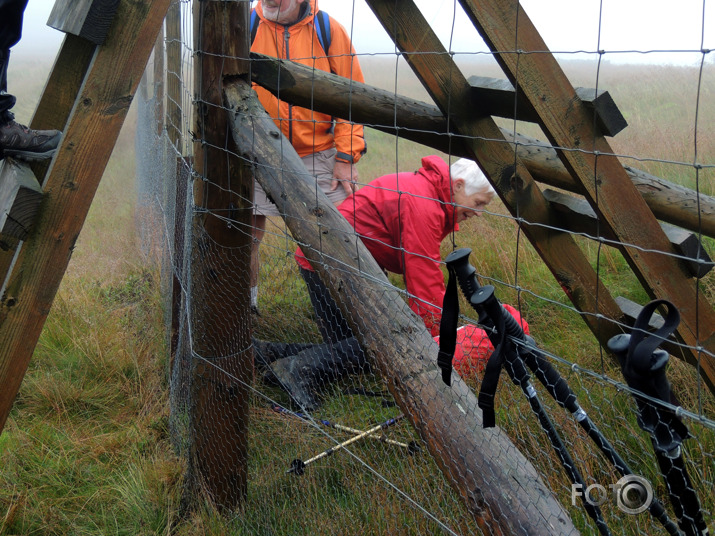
column 491, row 313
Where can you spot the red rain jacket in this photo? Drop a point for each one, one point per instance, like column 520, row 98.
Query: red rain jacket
column 402, row 219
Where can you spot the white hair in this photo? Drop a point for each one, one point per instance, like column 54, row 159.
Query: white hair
column 474, row 179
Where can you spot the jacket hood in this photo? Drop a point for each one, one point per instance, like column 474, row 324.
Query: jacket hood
column 308, row 17
column 436, row 170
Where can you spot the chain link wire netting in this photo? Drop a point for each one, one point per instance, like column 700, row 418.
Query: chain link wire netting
column 316, row 470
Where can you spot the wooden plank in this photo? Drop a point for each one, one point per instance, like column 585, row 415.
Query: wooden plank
column 577, row 216
column 176, row 196
column 592, row 163
column 86, row 146
column 20, row 198
column 669, row 202
column 499, row 96
column 424, row 123
column 501, row 488
column 510, row 178
column 159, row 72
column 89, row 19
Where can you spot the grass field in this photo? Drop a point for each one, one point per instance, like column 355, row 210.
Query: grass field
column 87, row 449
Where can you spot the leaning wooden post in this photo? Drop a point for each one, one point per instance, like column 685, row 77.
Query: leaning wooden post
column 221, row 243
column 499, row 486
column 87, row 143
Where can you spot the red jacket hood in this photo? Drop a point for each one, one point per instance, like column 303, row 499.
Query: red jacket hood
column 437, row 171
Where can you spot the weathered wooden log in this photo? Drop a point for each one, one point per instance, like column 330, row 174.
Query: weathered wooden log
column 577, row 216
column 424, row 123
column 89, row 19
column 20, row 198
column 498, row 96
column 498, row 484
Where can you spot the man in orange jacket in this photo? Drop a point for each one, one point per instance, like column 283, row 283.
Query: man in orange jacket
column 329, row 147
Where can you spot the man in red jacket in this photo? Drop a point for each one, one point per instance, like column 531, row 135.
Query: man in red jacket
column 402, row 219
column 329, row 147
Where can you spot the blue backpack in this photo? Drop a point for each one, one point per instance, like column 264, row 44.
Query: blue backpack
column 323, row 28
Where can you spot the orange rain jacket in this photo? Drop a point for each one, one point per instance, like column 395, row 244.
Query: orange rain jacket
column 309, row 131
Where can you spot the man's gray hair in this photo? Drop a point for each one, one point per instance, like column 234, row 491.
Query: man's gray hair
column 474, row 179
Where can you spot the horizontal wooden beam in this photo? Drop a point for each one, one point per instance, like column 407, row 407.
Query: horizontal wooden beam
column 20, row 198
column 499, row 97
column 424, row 123
column 576, row 215
column 84, row 18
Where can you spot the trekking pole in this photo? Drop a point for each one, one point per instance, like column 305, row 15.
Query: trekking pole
column 506, row 356
column 412, row 447
column 643, row 365
column 297, row 466
column 556, row 386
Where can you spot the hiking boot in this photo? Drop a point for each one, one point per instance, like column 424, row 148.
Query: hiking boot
column 23, row 143
column 265, row 353
column 314, row 369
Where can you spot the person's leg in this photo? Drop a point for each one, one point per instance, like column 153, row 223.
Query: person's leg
column 313, row 370
column 17, row 140
column 11, row 14
column 331, row 323
column 262, row 207
column 259, row 229
column 321, row 165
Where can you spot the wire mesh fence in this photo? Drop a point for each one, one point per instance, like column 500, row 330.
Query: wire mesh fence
column 358, row 433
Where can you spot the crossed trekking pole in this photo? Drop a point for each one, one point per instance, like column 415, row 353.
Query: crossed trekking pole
column 298, row 466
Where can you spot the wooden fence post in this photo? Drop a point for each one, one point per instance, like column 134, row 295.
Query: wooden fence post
column 219, row 303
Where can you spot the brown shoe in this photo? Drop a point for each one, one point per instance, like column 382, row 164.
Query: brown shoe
column 23, row 143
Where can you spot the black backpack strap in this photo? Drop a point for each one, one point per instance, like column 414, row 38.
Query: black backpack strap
column 254, row 25
column 323, row 30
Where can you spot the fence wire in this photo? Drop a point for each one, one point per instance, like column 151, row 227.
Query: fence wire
column 310, row 471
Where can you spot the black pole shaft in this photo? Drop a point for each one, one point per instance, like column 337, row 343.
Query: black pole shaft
column 519, row 375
